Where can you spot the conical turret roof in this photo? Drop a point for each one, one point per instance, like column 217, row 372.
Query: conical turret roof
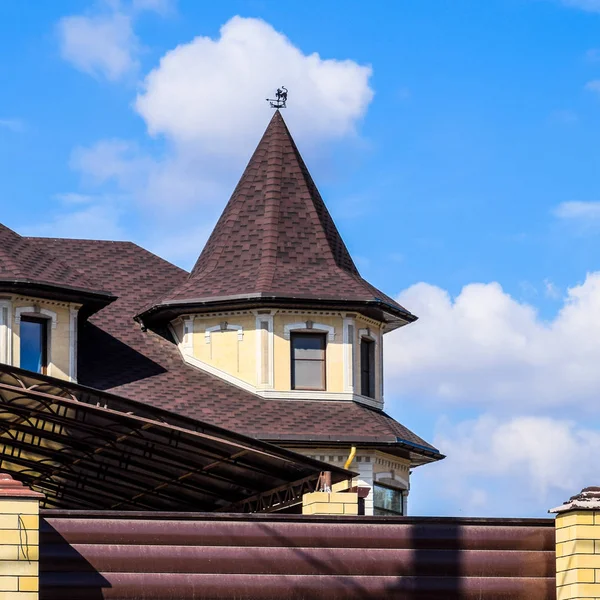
column 276, row 240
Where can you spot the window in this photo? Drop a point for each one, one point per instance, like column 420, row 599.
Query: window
column 34, row 344
column 387, row 501
column 367, row 367
column 308, row 361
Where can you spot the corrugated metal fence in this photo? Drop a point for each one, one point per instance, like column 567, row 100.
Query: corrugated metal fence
column 88, row 556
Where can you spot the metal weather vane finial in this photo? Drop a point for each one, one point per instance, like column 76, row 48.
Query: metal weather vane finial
column 280, row 98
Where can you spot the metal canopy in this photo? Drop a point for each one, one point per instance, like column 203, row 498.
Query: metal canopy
column 86, row 449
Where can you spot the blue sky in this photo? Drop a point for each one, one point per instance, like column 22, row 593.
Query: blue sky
column 455, row 144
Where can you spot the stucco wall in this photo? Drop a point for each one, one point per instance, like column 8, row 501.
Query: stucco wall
column 229, row 344
column 225, row 351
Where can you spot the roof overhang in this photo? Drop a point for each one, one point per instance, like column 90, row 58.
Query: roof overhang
column 92, row 301
column 85, row 449
column 417, row 454
column 376, row 309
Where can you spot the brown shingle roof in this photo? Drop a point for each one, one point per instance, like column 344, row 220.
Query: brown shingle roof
column 116, row 355
column 276, row 238
column 24, row 264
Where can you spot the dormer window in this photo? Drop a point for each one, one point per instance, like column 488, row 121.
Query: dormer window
column 308, row 361
column 34, row 344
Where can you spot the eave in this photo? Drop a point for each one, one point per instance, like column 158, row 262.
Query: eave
column 376, row 309
column 91, row 300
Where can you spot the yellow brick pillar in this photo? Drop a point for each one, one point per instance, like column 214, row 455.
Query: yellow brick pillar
column 330, row 503
column 578, row 546
column 19, row 540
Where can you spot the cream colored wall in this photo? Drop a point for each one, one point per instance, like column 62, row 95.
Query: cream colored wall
column 334, row 350
column 241, row 358
column 59, row 337
column 225, row 351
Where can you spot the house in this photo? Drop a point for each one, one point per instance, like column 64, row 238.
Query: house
column 273, row 334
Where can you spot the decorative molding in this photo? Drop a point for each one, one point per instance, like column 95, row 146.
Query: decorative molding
column 348, row 350
column 36, row 311
column 224, row 326
column 302, row 311
column 308, row 326
column 392, row 476
column 368, row 333
column 380, row 343
column 264, row 359
column 5, row 332
column 188, row 332
column 73, row 314
column 319, row 396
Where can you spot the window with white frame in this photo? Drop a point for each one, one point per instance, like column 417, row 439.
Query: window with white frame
column 33, row 344
column 387, row 500
column 308, row 361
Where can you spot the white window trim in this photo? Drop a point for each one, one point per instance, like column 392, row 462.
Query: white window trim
column 397, row 483
column 305, row 326
column 349, row 353
column 368, row 334
column 223, row 327
column 35, row 311
column 6, row 332
column 188, row 333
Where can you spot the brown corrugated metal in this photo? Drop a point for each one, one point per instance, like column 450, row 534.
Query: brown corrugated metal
column 266, row 556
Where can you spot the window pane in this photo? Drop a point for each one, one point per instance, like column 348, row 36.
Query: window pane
column 367, row 368
column 387, row 500
column 32, row 338
column 311, row 346
column 309, row 374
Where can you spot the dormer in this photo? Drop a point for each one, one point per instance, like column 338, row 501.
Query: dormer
column 275, row 303
column 42, row 300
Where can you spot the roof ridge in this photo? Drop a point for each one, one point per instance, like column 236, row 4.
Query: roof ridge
column 270, row 218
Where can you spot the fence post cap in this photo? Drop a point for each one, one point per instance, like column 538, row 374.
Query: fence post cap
column 11, row 488
column 587, row 499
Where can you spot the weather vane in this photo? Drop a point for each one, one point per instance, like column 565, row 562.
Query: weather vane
column 280, row 98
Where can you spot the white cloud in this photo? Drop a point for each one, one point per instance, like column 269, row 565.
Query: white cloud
column 588, row 5
column 512, row 466
column 576, row 210
column 211, row 92
column 486, row 349
column 101, row 45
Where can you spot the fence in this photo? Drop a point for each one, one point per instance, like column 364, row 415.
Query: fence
column 86, row 555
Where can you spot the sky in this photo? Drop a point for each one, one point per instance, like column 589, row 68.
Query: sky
column 455, row 144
